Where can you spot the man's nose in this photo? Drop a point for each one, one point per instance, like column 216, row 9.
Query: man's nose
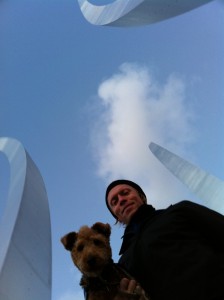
column 121, row 199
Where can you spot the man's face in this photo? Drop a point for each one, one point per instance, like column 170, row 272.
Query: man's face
column 124, row 201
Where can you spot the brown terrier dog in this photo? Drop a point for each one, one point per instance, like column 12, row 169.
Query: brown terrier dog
column 91, row 253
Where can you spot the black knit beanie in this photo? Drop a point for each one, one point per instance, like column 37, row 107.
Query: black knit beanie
column 122, row 181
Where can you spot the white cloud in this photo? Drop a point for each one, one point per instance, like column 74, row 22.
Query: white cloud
column 135, row 110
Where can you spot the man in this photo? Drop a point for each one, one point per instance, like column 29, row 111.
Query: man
column 175, row 253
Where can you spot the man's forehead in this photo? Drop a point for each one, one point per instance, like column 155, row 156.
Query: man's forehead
column 118, row 188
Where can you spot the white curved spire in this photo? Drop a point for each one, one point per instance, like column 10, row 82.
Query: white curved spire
column 25, row 230
column 206, row 186
column 136, row 12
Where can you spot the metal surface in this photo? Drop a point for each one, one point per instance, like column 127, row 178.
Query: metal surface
column 206, row 186
column 136, row 12
column 25, row 230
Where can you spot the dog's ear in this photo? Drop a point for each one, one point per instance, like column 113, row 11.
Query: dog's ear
column 68, row 240
column 102, row 228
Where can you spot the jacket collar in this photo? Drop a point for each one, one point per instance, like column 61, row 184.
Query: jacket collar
column 144, row 212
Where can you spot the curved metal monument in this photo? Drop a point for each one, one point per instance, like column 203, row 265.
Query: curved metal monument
column 25, row 230
column 206, row 186
column 136, row 12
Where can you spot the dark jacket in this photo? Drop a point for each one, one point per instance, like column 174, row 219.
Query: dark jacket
column 176, row 253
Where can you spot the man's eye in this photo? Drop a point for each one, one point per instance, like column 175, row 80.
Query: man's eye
column 125, row 192
column 113, row 201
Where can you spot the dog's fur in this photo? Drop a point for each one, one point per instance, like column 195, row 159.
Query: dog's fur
column 91, row 253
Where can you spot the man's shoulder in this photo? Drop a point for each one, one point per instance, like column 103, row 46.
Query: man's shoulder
column 183, row 203
column 182, row 206
column 190, row 207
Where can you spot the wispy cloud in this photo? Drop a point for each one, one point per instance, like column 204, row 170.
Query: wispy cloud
column 135, row 109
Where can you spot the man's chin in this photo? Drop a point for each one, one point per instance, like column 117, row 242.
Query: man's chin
column 128, row 213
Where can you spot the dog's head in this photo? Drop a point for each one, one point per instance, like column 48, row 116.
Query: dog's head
column 90, row 248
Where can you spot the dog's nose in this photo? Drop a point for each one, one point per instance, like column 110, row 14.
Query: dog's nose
column 91, row 261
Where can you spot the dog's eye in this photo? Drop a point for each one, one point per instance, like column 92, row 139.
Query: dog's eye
column 97, row 242
column 80, row 248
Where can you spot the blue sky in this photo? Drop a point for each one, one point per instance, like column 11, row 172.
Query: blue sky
column 85, row 101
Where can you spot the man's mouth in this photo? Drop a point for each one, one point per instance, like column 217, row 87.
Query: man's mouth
column 127, row 206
